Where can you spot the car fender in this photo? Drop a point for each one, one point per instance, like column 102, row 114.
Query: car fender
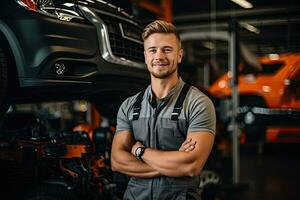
column 15, row 47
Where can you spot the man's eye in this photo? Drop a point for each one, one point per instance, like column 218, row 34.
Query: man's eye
column 167, row 50
column 152, row 50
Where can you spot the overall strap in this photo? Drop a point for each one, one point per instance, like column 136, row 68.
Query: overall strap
column 178, row 105
column 137, row 105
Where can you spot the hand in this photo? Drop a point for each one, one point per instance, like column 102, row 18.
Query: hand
column 188, row 145
column 135, row 146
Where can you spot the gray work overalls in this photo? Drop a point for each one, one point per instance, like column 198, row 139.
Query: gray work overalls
column 155, row 129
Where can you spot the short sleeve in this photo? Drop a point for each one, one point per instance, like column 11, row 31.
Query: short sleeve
column 202, row 116
column 123, row 122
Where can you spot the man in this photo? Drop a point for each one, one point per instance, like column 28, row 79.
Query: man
column 163, row 156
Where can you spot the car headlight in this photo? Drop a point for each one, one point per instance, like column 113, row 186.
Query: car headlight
column 64, row 12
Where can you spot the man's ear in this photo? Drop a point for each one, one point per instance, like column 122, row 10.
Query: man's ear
column 180, row 55
column 145, row 57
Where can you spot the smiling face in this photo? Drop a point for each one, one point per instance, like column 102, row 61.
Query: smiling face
column 162, row 55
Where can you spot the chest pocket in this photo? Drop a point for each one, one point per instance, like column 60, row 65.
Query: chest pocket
column 170, row 135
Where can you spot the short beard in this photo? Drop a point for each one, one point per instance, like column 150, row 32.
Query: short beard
column 164, row 75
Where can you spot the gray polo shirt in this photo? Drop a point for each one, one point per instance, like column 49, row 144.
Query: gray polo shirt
column 155, row 127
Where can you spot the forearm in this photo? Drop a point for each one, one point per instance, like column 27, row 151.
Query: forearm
column 172, row 163
column 124, row 162
column 185, row 162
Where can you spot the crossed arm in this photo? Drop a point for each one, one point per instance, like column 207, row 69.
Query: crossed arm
column 187, row 161
column 123, row 161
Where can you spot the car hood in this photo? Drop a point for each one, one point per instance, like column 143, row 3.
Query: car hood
column 99, row 4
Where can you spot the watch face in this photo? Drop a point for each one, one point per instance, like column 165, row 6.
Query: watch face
column 138, row 151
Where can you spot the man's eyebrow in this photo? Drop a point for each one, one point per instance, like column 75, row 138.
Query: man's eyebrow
column 163, row 47
column 168, row 47
column 151, row 48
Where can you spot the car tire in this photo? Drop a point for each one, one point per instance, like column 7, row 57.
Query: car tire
column 254, row 125
column 208, row 177
column 3, row 74
column 4, row 102
column 255, row 131
column 210, row 181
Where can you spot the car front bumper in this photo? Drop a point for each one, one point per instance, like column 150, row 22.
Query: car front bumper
column 51, row 52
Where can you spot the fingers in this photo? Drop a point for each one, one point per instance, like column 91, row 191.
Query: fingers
column 191, row 147
column 187, row 145
column 186, row 141
column 183, row 144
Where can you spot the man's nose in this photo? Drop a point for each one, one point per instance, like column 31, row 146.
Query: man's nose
column 159, row 55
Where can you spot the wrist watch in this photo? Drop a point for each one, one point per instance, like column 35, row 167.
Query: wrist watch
column 139, row 152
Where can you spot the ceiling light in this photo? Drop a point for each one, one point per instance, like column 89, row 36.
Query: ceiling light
column 243, row 3
column 208, row 45
column 250, row 27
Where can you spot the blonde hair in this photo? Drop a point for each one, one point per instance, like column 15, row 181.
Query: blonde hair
column 160, row 26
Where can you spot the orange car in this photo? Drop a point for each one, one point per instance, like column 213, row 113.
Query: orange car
column 269, row 99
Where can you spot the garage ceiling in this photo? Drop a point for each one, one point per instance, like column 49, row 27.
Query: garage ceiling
column 277, row 21
column 266, row 28
column 270, row 27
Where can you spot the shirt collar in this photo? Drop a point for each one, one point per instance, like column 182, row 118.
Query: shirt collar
column 175, row 89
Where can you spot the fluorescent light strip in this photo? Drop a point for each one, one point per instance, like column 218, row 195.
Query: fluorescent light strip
column 250, row 27
column 243, row 3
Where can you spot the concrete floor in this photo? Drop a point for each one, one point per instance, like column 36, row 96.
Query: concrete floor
column 273, row 175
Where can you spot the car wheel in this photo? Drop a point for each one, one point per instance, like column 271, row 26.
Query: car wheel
column 254, row 128
column 208, row 177
column 4, row 102
column 210, row 182
column 3, row 74
column 254, row 124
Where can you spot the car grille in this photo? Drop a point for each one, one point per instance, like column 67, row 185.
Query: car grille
column 121, row 47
